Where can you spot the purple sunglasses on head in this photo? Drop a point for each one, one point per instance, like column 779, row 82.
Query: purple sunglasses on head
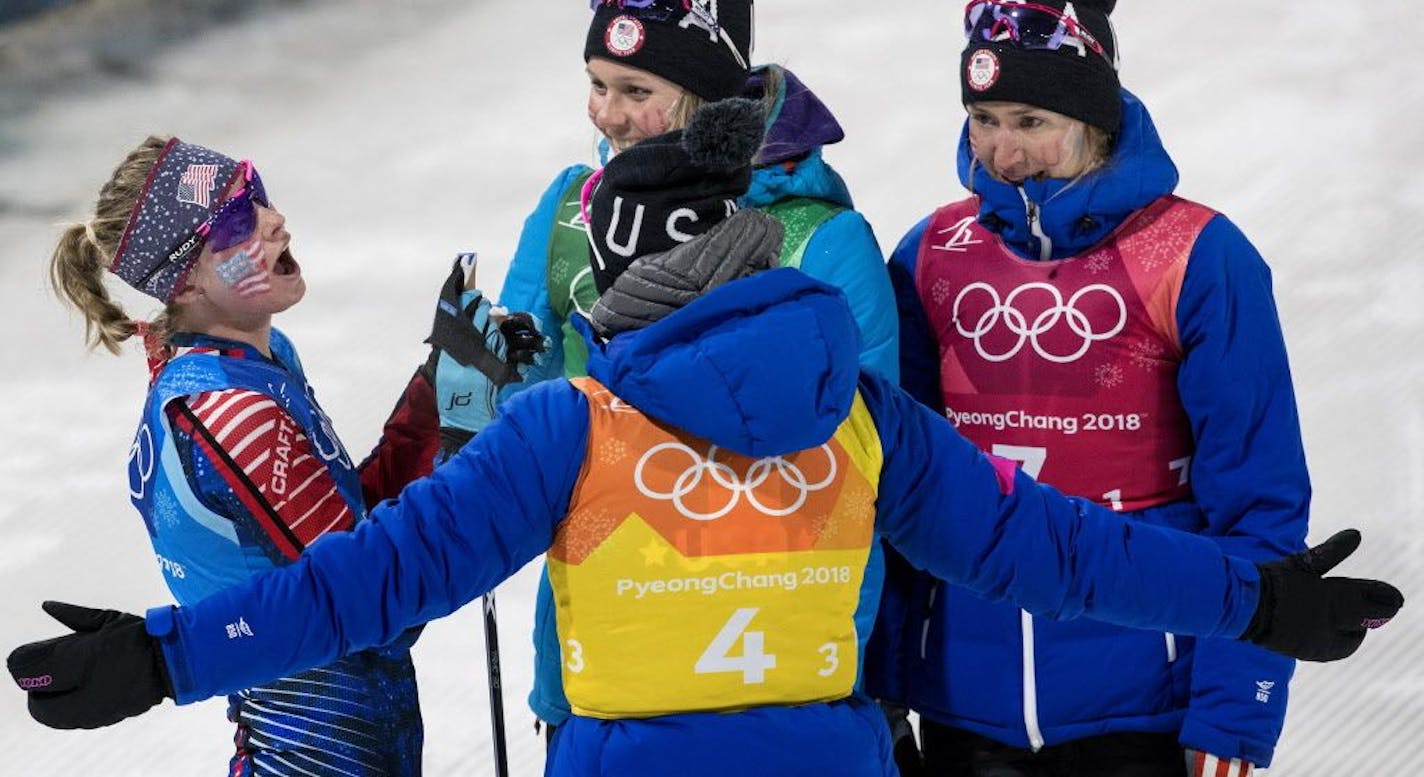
column 1028, row 26
column 229, row 224
column 235, row 219
column 657, row 10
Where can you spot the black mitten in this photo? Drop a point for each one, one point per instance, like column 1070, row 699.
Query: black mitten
column 108, row 670
column 1304, row 615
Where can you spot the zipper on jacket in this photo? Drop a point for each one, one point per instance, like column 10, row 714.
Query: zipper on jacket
column 925, row 627
column 1171, row 647
column 1030, row 684
column 1035, row 226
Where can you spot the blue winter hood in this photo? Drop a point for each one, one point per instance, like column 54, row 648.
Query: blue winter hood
column 1076, row 215
column 763, row 366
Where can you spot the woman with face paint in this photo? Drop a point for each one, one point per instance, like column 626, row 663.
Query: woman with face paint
column 235, row 468
column 650, row 65
column 1123, row 344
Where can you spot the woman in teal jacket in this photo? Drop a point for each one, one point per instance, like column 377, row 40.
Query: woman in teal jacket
column 648, row 74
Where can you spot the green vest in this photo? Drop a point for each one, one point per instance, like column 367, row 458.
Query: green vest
column 570, row 279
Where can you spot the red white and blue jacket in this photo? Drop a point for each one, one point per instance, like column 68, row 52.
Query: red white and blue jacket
column 236, row 470
column 1125, row 345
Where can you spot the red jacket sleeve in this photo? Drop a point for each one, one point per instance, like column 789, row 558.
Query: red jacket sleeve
column 409, row 442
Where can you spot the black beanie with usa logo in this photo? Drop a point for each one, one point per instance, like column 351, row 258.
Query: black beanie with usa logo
column 703, row 46
column 1051, row 54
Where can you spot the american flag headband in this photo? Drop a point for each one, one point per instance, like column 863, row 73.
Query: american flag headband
column 162, row 239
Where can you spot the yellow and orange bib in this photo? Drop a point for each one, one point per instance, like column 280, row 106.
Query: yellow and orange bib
column 689, row 578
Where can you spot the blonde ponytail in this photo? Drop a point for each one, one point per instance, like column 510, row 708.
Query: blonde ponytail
column 85, row 251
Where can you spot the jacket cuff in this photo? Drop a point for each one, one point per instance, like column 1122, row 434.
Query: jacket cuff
column 162, row 625
column 1238, row 618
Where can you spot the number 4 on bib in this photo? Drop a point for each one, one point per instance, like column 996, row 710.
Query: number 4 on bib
column 752, row 663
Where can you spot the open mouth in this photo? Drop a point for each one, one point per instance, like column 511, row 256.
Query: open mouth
column 286, row 265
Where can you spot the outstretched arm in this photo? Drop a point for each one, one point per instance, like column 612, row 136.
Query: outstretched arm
column 975, row 520
column 446, row 540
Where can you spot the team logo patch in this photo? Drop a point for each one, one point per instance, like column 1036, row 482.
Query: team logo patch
column 983, row 70
column 624, row 36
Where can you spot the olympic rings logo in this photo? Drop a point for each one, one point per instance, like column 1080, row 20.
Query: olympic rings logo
column 723, row 475
column 141, row 458
column 1018, row 324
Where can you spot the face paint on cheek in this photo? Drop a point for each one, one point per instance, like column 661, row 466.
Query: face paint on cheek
column 246, row 270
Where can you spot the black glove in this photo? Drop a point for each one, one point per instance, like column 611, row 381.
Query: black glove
column 522, row 340
column 108, row 670
column 1304, row 615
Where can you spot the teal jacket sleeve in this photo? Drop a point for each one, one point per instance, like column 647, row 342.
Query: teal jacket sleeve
column 975, row 520
column 843, row 252
column 442, row 543
column 526, row 286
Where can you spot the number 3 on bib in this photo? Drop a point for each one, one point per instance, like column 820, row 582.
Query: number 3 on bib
column 753, row 661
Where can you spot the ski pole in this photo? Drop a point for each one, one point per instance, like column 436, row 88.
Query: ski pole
column 469, row 260
column 496, row 692
column 491, row 631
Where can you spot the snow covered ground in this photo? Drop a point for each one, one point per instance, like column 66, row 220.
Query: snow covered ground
column 393, row 134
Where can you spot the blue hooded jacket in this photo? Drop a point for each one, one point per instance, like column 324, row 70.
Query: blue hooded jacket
column 1251, row 490
column 842, row 252
column 710, row 369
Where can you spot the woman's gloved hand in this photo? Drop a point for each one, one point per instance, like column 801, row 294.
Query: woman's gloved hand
column 109, row 669
column 472, row 356
column 1305, row 615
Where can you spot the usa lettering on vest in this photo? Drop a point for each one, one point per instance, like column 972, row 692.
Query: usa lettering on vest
column 1067, row 366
